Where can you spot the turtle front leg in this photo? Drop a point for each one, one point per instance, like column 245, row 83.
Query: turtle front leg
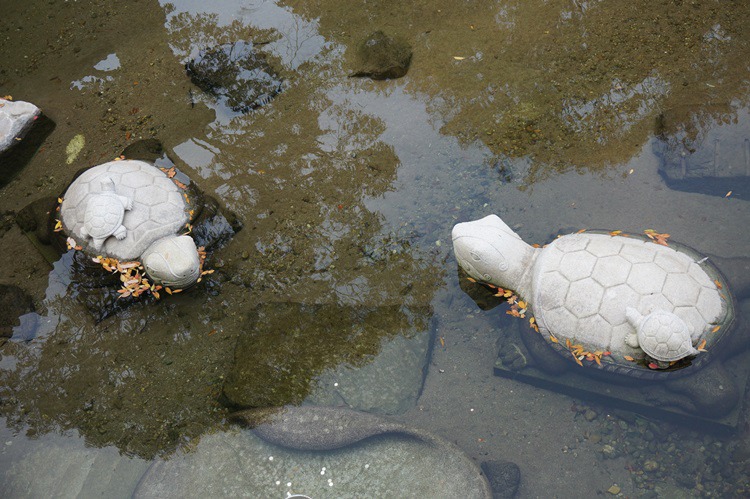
column 531, row 351
column 120, row 233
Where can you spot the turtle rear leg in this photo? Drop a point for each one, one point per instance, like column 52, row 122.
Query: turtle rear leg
column 126, row 202
column 120, row 233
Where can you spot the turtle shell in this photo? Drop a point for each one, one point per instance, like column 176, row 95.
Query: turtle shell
column 663, row 337
column 160, row 207
column 104, row 216
column 582, row 283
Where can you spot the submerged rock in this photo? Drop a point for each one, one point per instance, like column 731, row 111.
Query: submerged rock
column 382, row 57
column 362, row 456
column 237, row 74
column 504, row 478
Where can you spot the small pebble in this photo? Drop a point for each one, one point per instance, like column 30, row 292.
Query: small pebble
column 590, row 415
column 650, row 465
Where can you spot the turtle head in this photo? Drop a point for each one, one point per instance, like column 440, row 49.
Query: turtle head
column 173, row 261
column 489, row 251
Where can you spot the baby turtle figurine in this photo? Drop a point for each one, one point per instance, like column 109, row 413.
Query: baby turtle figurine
column 593, row 294
column 661, row 335
column 104, row 214
column 143, row 209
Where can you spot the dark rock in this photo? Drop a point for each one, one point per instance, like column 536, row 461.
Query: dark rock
column 148, row 150
column 382, row 57
column 212, row 227
column 35, row 218
column 504, row 478
column 237, row 74
column 14, row 303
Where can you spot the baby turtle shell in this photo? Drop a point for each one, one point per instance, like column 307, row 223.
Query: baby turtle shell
column 661, row 335
column 159, row 207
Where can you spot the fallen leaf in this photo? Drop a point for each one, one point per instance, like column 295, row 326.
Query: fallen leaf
column 179, row 184
column 442, row 342
column 471, row 279
column 651, row 365
column 615, row 233
column 459, row 58
column 728, row 194
column 716, row 328
column 628, row 357
column 702, row 346
column 127, row 135
column 553, row 339
column 718, row 284
column 581, row 231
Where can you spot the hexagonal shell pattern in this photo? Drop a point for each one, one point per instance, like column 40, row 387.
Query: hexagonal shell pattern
column 159, row 208
column 582, row 283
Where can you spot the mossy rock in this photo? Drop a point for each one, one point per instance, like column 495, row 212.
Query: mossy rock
column 383, row 57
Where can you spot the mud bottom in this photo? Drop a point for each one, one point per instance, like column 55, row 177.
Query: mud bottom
column 645, row 399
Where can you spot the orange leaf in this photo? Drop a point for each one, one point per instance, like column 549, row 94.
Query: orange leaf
column 702, row 345
column 553, row 339
column 716, row 328
column 628, row 357
column 718, row 284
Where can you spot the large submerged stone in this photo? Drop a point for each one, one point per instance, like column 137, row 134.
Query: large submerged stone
column 363, row 456
column 382, row 57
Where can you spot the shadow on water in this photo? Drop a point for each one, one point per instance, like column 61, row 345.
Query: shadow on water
column 544, row 112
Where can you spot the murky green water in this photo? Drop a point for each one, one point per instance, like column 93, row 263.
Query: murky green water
column 546, row 113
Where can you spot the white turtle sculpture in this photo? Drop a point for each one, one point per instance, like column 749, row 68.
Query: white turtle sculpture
column 104, row 213
column 143, row 209
column 602, row 291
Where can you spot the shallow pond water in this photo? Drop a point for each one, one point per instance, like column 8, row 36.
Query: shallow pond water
column 341, row 287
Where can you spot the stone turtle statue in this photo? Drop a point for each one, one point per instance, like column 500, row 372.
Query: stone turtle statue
column 143, row 209
column 580, row 287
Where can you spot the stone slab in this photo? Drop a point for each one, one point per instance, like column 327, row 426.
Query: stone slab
column 633, row 399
